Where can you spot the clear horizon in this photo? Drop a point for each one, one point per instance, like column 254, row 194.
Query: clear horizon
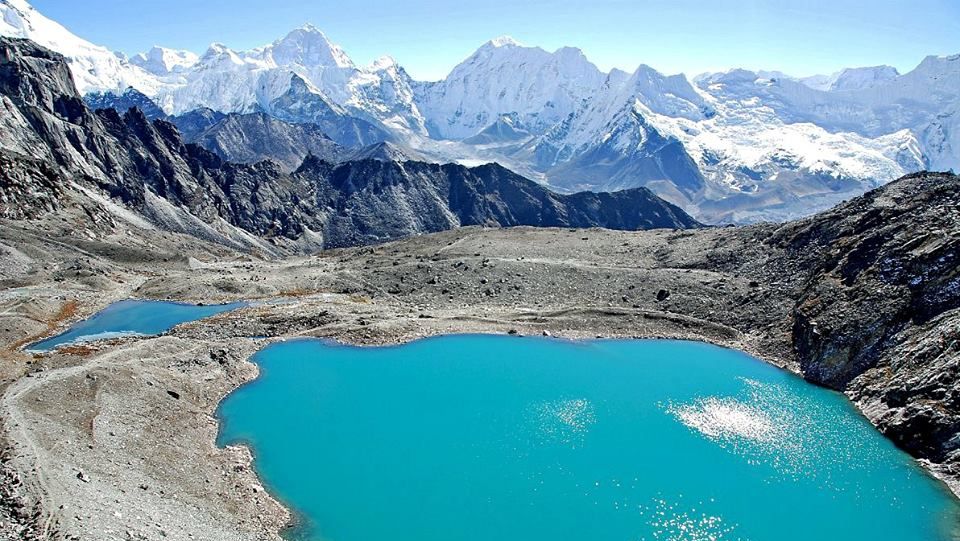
column 428, row 37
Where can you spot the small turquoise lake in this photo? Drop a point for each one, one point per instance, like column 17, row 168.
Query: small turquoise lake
column 132, row 317
column 480, row 438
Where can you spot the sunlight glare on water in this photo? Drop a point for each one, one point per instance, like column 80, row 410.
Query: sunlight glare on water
column 488, row 437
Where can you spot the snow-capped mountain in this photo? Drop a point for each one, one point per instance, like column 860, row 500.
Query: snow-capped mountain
column 738, row 145
column 164, row 62
column 846, row 79
column 94, row 68
column 502, row 76
column 860, row 78
column 302, row 77
column 924, row 101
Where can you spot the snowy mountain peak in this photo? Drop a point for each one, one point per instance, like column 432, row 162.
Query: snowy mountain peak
column 216, row 49
column 858, row 78
column 220, row 56
column 385, row 62
column 162, row 61
column 746, row 138
column 309, row 47
column 935, row 64
column 504, row 77
column 670, row 95
column 20, row 5
column 504, row 41
column 571, row 56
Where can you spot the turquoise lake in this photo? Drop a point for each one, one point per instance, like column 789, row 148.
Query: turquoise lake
column 132, row 317
column 480, row 438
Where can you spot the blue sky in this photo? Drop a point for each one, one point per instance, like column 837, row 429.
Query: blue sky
column 429, row 37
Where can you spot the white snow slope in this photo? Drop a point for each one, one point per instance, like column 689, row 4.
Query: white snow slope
column 94, row 67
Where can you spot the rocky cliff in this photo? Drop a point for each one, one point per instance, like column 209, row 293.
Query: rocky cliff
column 255, row 137
column 879, row 313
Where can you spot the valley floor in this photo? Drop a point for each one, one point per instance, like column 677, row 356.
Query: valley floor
column 116, row 440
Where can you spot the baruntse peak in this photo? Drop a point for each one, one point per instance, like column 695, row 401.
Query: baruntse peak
column 308, row 46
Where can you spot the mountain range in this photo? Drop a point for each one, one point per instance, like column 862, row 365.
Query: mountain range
column 125, row 167
column 737, row 146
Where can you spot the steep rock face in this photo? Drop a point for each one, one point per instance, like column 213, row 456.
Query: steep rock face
column 144, row 164
column 898, row 272
column 28, row 188
column 256, row 137
column 147, row 166
column 880, row 313
column 373, row 201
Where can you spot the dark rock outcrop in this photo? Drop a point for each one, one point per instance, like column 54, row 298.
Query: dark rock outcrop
column 882, row 262
column 373, row 201
column 879, row 314
column 28, row 188
column 254, row 137
column 386, row 152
